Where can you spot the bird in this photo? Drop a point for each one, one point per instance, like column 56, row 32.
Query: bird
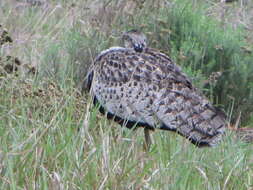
column 139, row 86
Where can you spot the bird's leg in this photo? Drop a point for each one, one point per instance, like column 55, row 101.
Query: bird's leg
column 147, row 139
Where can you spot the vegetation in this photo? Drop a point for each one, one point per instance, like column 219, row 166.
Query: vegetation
column 52, row 138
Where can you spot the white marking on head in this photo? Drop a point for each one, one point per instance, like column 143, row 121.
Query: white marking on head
column 115, row 48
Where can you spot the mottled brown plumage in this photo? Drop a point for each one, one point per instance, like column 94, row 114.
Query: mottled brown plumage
column 147, row 89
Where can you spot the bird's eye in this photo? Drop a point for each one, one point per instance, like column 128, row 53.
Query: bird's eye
column 138, row 47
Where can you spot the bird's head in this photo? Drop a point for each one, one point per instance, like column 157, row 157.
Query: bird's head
column 134, row 39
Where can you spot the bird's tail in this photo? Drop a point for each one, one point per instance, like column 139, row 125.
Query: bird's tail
column 203, row 127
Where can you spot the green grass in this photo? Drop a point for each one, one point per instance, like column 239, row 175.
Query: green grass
column 53, row 138
column 60, row 145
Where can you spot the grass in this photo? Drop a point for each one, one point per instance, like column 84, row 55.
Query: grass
column 52, row 138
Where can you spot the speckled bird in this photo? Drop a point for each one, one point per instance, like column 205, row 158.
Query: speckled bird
column 138, row 86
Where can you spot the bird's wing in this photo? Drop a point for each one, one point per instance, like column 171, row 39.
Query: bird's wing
column 182, row 108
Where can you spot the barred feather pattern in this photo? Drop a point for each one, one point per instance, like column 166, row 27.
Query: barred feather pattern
column 146, row 89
